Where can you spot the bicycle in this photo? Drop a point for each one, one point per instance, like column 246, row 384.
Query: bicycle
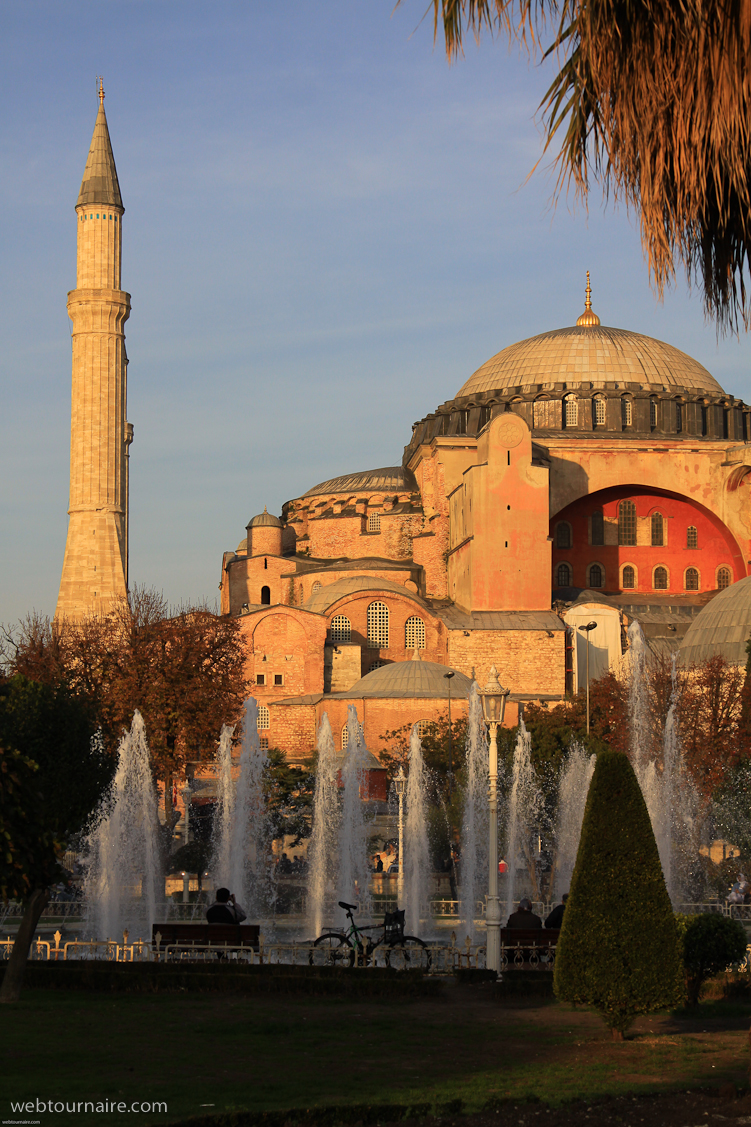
column 353, row 947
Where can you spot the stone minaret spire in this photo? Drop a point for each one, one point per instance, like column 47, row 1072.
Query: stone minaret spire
column 95, row 569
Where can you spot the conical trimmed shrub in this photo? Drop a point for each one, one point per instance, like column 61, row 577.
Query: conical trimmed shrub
column 619, row 948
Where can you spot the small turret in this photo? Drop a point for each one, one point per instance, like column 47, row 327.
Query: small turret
column 265, row 535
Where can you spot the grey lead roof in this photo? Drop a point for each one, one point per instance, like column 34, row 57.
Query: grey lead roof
column 409, row 679
column 99, row 186
column 723, row 627
column 457, row 619
column 382, row 480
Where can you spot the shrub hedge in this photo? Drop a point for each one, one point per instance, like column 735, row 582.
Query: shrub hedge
column 619, row 948
column 711, row 943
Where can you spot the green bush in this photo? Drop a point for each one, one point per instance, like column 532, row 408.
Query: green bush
column 619, row 949
column 711, row 943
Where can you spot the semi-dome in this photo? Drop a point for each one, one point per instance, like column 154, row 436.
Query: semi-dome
column 590, row 354
column 326, row 596
column 388, row 479
column 265, row 520
column 410, row 679
column 722, row 628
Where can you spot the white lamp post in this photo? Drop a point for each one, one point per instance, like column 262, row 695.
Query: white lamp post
column 493, row 698
column 400, row 786
column 186, row 834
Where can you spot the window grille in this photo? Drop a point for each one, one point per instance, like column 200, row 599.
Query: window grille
column 653, row 413
column 692, row 579
column 316, row 587
column 264, row 743
column 627, row 522
column 378, row 626
column 657, row 530
column 571, row 416
column 692, row 537
column 345, row 737
column 263, row 718
column 563, row 535
column 539, row 413
column 484, row 417
column 341, row 628
column 414, row 634
column 599, row 405
column 626, row 412
column 374, row 522
column 661, row 579
column 377, row 665
column 595, row 575
column 629, row 578
column 422, row 727
column 723, row 578
column 563, row 575
column 598, row 527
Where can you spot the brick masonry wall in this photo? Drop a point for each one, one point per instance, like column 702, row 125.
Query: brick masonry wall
column 527, row 661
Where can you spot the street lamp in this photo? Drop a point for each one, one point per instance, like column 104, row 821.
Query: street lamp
column 447, row 677
column 400, row 786
column 588, row 629
column 186, row 834
column 493, row 708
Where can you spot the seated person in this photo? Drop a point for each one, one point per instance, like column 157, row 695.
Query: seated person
column 524, row 917
column 555, row 919
column 225, row 909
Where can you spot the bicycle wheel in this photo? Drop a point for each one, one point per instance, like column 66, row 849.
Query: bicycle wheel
column 410, row 954
column 331, row 950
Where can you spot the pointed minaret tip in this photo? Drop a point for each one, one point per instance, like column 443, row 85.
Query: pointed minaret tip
column 100, row 187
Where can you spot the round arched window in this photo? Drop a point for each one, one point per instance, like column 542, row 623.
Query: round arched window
column 692, row 579
column 724, row 578
column 563, row 575
column 660, row 581
column 629, row 578
column 595, row 575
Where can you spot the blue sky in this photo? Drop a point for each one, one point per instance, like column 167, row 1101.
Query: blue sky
column 327, row 230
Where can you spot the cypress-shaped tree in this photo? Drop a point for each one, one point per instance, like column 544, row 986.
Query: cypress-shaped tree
column 619, row 948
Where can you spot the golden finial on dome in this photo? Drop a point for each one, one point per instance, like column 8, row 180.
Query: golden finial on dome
column 588, row 318
column 100, row 91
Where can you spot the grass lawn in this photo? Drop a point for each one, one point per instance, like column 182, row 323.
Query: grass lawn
column 202, row 1053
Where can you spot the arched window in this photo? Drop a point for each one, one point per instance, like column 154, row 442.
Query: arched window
column 540, row 413
column 414, row 634
column 691, row 579
column 345, row 737
column 692, row 537
column 316, row 587
column 378, row 626
column 660, row 579
column 374, row 522
column 563, row 534
column 563, row 575
column 627, row 413
column 266, row 596
column 653, row 412
column 595, row 575
column 724, row 578
column 598, row 527
column 629, row 578
column 657, row 530
column 678, row 418
column 571, row 411
column 263, row 718
column 627, row 522
column 341, row 628
column 599, row 411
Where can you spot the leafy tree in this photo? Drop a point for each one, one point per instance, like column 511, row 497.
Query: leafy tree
column 54, row 773
column 619, row 948
column 289, row 789
column 651, row 100
column 711, row 943
column 443, row 751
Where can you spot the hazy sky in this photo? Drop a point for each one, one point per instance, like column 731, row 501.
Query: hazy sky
column 327, row 230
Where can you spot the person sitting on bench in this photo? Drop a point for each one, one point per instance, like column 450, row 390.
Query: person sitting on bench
column 522, row 917
column 225, row 909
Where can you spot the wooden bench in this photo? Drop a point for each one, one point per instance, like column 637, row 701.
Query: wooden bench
column 531, row 943
column 201, row 934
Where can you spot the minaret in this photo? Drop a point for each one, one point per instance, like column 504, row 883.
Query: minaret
column 95, row 569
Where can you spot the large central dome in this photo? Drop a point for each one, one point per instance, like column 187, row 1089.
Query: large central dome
column 591, row 354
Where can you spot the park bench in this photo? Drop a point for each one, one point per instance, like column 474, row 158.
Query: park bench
column 526, row 946
column 202, row 934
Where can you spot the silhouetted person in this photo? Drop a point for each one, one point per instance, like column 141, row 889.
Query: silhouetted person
column 555, row 919
column 225, row 909
column 524, row 916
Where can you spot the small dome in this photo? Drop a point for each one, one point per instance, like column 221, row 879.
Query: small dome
column 389, row 479
column 410, row 679
column 723, row 627
column 265, row 520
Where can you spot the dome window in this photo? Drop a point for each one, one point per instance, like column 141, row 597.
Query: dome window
column 600, row 411
column 658, row 530
column 629, row 578
column 627, row 523
column 653, row 413
column 540, row 413
column 691, row 580
column 724, row 578
column 627, row 412
column 563, row 537
column 571, row 411
column 414, row 634
column 374, row 522
column 678, row 418
column 378, row 626
column 598, row 527
column 692, row 537
column 316, row 587
column 660, row 579
column 563, row 575
column 341, row 628
column 596, row 578
column 263, row 718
